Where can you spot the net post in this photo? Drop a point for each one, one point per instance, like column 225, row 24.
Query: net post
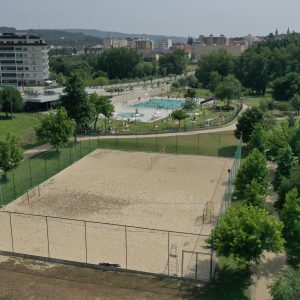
column 47, row 229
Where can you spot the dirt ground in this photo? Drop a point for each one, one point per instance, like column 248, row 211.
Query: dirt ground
column 26, row 279
column 146, row 190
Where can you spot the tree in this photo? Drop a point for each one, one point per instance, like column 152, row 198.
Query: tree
column 76, row 102
column 252, row 70
column 287, row 184
column 284, row 88
column 10, row 100
column 247, row 122
column 61, row 79
column 259, row 138
column 228, row 89
column 119, row 62
column 285, row 163
column 11, row 153
column 255, row 194
column 254, row 167
column 103, row 106
column 287, row 285
column 173, row 63
column 246, row 232
column 190, row 93
column 220, row 61
column 214, row 80
column 190, row 40
column 290, row 216
column 189, row 104
column 296, row 103
column 179, row 115
column 56, row 128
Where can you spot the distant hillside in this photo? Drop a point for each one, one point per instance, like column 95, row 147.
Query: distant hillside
column 58, row 37
column 103, row 34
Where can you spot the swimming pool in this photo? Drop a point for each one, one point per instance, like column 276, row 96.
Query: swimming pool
column 170, row 104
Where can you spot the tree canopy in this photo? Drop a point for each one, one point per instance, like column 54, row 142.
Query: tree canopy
column 77, row 104
column 246, row 232
column 254, row 167
column 56, row 128
column 290, row 216
column 228, row 89
column 10, row 100
column 287, row 285
column 172, row 63
column 11, row 152
column 216, row 61
column 247, row 122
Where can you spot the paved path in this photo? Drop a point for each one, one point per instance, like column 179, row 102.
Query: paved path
column 271, row 265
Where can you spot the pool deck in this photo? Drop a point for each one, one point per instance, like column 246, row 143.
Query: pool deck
column 149, row 114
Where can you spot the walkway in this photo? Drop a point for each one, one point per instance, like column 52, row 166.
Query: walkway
column 271, row 265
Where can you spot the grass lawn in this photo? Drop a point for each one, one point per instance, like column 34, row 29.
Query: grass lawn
column 191, row 67
column 41, row 167
column 22, row 125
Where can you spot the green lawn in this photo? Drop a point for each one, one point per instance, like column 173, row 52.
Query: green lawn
column 22, row 125
column 36, row 170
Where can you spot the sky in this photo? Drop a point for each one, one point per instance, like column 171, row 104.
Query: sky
column 169, row 17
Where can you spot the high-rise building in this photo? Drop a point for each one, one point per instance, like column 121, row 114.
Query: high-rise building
column 23, row 60
column 164, row 45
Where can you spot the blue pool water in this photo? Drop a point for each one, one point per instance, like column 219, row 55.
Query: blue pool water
column 171, row 104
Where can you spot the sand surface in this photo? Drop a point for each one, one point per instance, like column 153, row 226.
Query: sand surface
column 148, row 190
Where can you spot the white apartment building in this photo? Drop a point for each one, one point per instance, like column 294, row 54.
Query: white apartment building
column 23, row 60
column 164, row 45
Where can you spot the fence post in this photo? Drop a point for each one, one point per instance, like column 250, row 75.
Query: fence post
column 168, row 253
column 14, row 186
column 1, row 196
column 116, row 141
column 30, row 173
column 48, row 243
column 70, row 153
column 58, row 164
column 89, row 141
column 80, row 148
column 196, row 271
column 211, row 257
column 85, row 240
column 126, row 249
column 11, row 233
column 45, row 165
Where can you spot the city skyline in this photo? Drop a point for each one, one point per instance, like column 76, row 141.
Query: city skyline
column 171, row 17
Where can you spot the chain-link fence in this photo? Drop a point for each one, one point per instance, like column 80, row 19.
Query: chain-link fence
column 32, row 172
column 171, row 253
column 140, row 249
